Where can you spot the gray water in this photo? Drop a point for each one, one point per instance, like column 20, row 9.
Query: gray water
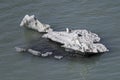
column 99, row 16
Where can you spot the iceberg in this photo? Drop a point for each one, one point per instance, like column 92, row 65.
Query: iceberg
column 76, row 40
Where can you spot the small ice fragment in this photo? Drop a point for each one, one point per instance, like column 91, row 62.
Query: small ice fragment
column 18, row 49
column 49, row 53
column 58, row 57
column 44, row 55
column 34, row 52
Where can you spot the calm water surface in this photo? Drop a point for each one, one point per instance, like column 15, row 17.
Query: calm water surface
column 99, row 16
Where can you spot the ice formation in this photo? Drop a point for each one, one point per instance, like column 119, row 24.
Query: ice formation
column 33, row 23
column 76, row 40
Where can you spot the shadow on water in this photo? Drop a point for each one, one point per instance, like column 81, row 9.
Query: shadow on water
column 35, row 41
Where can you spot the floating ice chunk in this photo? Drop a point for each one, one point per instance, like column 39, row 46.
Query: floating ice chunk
column 34, row 52
column 58, row 57
column 49, row 53
column 78, row 40
column 33, row 23
column 18, row 49
column 46, row 54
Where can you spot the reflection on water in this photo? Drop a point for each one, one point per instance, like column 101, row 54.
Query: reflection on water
column 83, row 65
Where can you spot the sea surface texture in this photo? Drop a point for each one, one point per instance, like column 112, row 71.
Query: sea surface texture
column 99, row 16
